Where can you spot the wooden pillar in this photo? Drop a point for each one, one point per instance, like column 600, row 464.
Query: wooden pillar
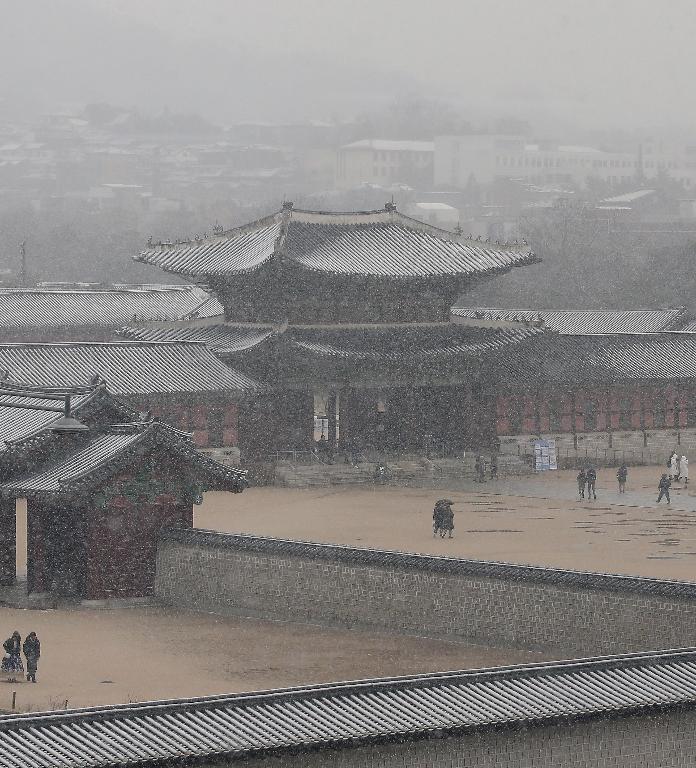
column 21, row 538
column 331, row 412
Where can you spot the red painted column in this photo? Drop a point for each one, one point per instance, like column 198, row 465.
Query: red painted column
column 567, row 412
column 529, row 425
column 578, row 415
column 7, row 541
column 615, row 398
column 37, row 580
column 637, row 411
column 669, row 397
column 682, row 402
column 602, row 411
column 502, row 422
column 544, row 408
column 230, row 425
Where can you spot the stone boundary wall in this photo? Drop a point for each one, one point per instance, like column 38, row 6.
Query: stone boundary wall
column 633, row 446
column 647, row 740
column 570, row 612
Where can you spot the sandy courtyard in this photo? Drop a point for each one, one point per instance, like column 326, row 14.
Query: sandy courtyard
column 536, row 520
column 91, row 657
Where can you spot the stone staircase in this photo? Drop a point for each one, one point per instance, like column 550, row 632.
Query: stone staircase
column 405, row 472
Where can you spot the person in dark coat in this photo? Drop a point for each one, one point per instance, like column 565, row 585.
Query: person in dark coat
column 12, row 663
column 622, row 476
column 447, row 521
column 591, row 475
column 494, row 466
column 443, row 518
column 582, row 480
column 32, row 652
column 437, row 518
column 663, row 487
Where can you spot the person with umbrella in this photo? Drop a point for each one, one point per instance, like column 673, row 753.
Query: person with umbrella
column 443, row 518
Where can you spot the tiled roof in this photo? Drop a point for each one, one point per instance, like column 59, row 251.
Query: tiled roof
column 658, row 356
column 408, row 343
column 210, row 307
column 377, row 342
column 223, row 339
column 105, row 452
column 374, row 243
column 239, row 251
column 18, row 425
column 112, row 307
column 392, row 145
column 127, row 367
column 347, row 714
column 629, row 197
column 580, row 321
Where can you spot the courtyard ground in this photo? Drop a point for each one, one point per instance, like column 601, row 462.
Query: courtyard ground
column 535, row 520
column 94, row 657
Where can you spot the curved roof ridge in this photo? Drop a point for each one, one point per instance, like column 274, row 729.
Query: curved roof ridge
column 458, row 237
column 264, row 221
column 384, row 243
column 555, row 311
column 389, row 215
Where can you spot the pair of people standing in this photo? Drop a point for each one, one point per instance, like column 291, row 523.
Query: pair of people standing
column 587, row 478
column 12, row 662
column 678, row 468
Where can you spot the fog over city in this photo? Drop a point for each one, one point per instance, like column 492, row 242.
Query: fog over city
column 347, row 383
column 590, row 64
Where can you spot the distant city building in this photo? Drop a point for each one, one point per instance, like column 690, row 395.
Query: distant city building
column 675, row 162
column 486, row 158
column 438, row 214
column 385, row 162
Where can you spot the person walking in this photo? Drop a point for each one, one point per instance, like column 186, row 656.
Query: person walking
column 447, row 519
column 12, row 663
column 437, row 518
column 443, row 518
column 674, row 465
column 591, row 481
column 684, row 470
column 582, row 479
column 622, row 476
column 663, row 487
column 494, row 466
column 32, row 652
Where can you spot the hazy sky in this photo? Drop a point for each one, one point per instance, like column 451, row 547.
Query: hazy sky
column 594, row 63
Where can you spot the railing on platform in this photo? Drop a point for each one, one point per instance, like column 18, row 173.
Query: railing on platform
column 610, row 457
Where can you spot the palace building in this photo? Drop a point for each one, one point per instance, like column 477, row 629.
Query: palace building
column 346, row 316
column 81, row 511
column 615, row 384
column 184, row 384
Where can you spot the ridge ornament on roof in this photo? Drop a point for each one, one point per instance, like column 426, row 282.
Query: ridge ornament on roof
column 380, row 243
column 580, row 322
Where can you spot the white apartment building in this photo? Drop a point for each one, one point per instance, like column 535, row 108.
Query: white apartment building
column 385, row 162
column 677, row 162
column 486, row 158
